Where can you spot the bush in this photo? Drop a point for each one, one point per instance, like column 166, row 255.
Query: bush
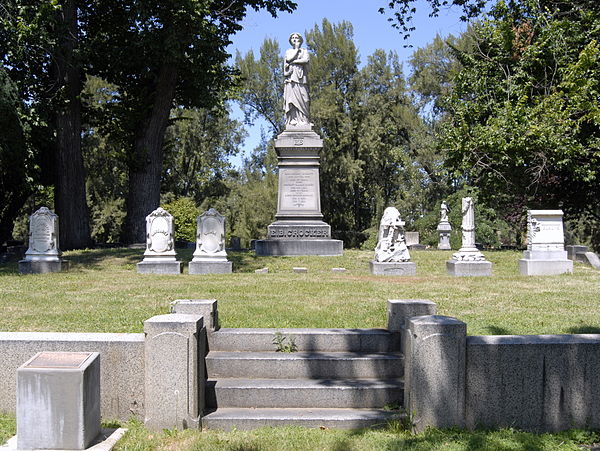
column 185, row 214
column 107, row 220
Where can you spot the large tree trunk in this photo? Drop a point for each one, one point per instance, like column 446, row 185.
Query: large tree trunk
column 146, row 168
column 69, row 191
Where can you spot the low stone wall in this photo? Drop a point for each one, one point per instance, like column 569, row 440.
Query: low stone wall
column 121, row 363
column 533, row 382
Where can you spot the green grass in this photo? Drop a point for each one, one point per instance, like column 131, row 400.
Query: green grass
column 103, row 293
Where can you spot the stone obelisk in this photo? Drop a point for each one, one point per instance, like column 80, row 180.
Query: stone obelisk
column 299, row 228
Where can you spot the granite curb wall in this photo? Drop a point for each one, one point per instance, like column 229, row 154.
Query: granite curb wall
column 542, row 383
column 121, row 363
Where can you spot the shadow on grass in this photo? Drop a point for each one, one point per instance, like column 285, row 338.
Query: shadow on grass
column 584, row 330
column 92, row 258
column 497, row 330
column 245, row 261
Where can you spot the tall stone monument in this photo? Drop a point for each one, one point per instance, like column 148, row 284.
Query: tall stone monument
column 160, row 256
column 545, row 254
column 468, row 261
column 43, row 254
column 299, row 228
column 210, row 256
column 391, row 254
column 444, row 228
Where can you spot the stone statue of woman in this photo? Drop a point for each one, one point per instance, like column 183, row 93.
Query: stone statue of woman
column 295, row 90
column 444, row 212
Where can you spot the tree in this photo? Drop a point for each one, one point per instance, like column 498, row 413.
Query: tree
column 525, row 126
column 14, row 157
column 40, row 46
column 199, row 143
column 175, row 56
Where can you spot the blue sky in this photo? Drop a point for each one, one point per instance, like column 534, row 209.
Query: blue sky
column 371, row 31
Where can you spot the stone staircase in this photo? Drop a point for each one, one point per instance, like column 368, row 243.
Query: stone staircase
column 337, row 378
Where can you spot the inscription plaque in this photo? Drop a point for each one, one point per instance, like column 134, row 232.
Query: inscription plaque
column 299, row 188
column 59, row 360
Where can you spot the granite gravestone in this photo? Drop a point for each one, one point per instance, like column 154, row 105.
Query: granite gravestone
column 43, row 254
column 545, row 254
column 468, row 261
column 391, row 254
column 444, row 229
column 210, row 256
column 160, row 255
column 299, row 228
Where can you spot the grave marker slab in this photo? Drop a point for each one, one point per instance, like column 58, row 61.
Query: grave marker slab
column 545, row 254
column 43, row 253
column 160, row 255
column 210, row 256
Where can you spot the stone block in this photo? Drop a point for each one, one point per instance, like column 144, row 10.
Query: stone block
column 174, row 371
column 541, row 383
column 210, row 267
column 158, row 267
column 545, row 267
column 207, row 308
column 573, row 250
column 393, row 268
column 399, row 310
column 288, row 247
column 463, row 268
column 42, row 267
column 298, row 269
column 339, row 270
column 58, row 400
column 411, row 238
column 435, row 371
column 262, row 271
column 592, row 260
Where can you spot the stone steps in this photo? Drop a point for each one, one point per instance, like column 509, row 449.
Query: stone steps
column 270, row 393
column 333, row 340
column 338, row 378
column 246, row 419
column 311, row 365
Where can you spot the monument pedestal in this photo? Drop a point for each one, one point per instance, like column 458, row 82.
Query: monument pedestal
column 463, row 268
column 42, row 266
column 148, row 266
column 299, row 228
column 544, row 267
column 444, row 230
column 210, row 267
column 393, row 268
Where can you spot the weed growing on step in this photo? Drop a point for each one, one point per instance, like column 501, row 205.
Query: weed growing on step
column 284, row 343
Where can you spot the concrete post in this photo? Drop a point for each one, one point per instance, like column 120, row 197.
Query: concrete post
column 399, row 310
column 207, row 308
column 174, row 371
column 434, row 375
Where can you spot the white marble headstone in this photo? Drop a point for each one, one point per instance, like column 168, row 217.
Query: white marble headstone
column 43, row 236
column 210, row 237
column 160, row 240
column 391, row 242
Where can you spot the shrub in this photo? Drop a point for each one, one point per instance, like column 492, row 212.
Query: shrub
column 185, row 214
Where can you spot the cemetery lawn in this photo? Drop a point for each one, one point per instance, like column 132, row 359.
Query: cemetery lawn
column 392, row 437
column 102, row 292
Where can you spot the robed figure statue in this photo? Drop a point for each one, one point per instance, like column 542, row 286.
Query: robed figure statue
column 295, row 91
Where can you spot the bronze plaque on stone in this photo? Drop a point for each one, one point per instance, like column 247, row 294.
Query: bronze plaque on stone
column 59, row 360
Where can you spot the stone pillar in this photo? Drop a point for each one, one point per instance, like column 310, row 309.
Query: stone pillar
column 468, row 261
column 299, row 228
column 58, row 400
column 174, row 371
column 399, row 310
column 207, row 308
column 434, row 372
